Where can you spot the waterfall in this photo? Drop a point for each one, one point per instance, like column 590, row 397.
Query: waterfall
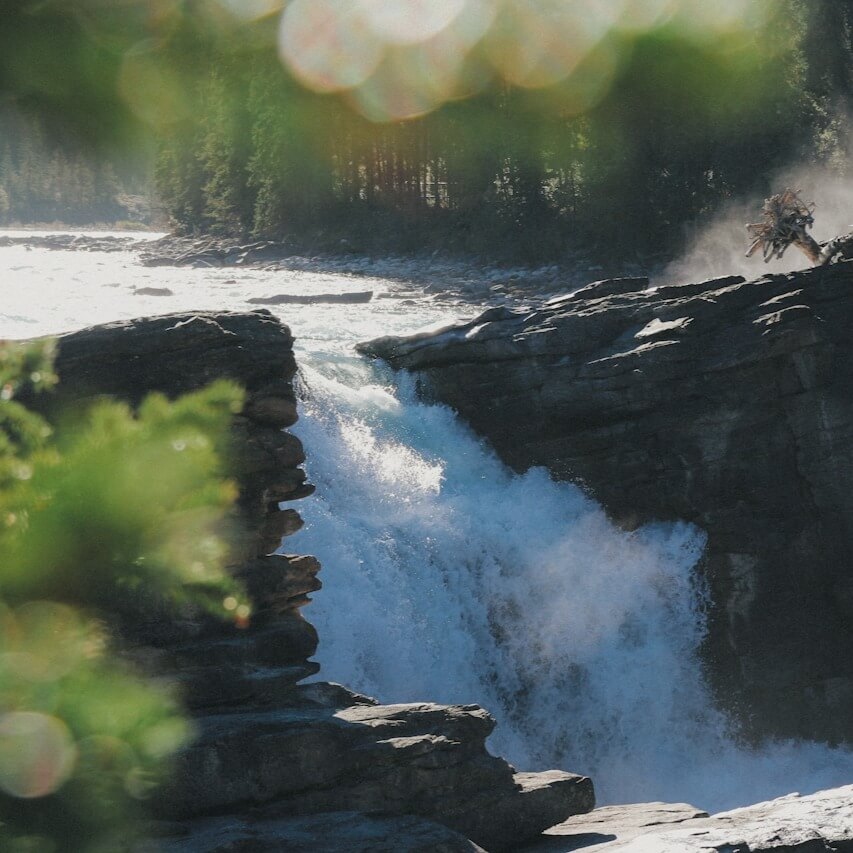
column 450, row 578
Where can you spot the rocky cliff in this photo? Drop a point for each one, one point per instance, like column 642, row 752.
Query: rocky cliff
column 725, row 403
column 277, row 764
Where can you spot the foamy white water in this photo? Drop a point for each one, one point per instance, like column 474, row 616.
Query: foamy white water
column 449, row 578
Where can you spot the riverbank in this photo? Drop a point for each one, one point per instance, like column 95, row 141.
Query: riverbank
column 466, row 278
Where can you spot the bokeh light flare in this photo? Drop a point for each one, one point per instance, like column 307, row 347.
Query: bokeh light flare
column 328, row 45
column 541, row 42
column 37, row 754
column 398, row 90
column 409, row 21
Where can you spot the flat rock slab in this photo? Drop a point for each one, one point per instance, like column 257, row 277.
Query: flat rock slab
column 603, row 827
column 817, row 823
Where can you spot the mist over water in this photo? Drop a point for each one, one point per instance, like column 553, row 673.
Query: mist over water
column 720, row 248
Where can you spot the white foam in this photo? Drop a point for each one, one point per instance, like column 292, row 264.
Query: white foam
column 449, row 578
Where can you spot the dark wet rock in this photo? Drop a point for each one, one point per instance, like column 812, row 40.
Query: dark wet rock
column 152, row 291
column 819, row 823
column 354, row 297
column 724, row 403
column 609, row 287
column 273, row 404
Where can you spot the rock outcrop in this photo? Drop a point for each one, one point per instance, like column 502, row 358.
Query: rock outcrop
column 815, row 824
column 277, row 764
column 725, row 403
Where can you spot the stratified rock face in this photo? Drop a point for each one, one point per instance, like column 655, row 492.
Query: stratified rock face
column 179, row 353
column 815, row 824
column 278, row 764
column 320, row 748
column 726, row 403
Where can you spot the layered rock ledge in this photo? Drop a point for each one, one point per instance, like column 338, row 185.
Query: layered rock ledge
column 725, row 403
column 818, row 823
column 278, row 764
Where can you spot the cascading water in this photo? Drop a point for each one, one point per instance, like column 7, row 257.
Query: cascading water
column 449, row 578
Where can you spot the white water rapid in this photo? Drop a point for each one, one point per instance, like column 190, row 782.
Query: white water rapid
column 446, row 576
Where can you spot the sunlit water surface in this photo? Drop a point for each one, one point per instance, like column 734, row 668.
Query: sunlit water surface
column 449, row 578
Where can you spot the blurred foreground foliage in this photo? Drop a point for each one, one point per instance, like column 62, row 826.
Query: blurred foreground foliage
column 104, row 513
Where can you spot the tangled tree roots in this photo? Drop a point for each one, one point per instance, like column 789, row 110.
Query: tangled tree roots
column 786, row 222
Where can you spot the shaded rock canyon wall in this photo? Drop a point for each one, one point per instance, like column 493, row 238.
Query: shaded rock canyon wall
column 725, row 403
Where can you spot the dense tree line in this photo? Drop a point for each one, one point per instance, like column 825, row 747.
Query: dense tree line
column 684, row 126
column 46, row 177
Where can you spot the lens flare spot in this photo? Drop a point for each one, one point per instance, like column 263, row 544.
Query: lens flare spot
column 393, row 93
column 540, row 43
column 409, row 21
column 328, row 44
column 37, row 754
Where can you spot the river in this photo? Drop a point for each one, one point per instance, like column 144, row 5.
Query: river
column 446, row 576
